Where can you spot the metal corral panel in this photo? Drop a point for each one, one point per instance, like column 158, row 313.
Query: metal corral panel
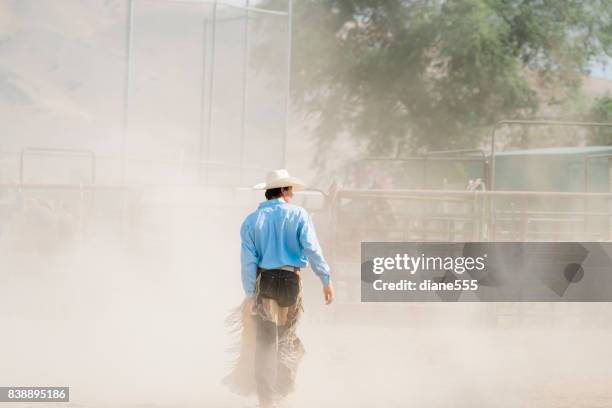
column 553, row 169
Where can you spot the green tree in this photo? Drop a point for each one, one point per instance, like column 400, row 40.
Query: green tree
column 433, row 74
column 602, row 112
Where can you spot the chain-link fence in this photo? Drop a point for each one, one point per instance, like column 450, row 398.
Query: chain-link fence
column 159, row 91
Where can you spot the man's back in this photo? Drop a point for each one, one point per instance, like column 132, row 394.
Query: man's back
column 279, row 234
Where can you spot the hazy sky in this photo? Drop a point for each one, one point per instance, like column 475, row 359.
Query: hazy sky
column 600, row 71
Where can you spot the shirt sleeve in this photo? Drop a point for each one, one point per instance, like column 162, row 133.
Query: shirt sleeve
column 312, row 249
column 248, row 260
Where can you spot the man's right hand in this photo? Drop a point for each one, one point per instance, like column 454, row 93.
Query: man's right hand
column 328, row 293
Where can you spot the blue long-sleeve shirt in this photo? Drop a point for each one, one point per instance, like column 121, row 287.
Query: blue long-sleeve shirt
column 278, row 234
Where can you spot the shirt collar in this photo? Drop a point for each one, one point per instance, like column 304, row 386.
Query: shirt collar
column 274, row 201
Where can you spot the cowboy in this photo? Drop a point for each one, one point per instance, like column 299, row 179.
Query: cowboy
column 278, row 240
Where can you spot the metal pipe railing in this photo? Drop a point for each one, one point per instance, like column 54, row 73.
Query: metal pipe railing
column 389, row 193
column 455, row 151
column 61, row 152
column 489, row 223
column 99, row 157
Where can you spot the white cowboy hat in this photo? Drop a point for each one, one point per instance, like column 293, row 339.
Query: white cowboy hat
column 280, row 178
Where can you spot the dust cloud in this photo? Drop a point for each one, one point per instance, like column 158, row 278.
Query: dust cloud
column 134, row 316
column 121, row 292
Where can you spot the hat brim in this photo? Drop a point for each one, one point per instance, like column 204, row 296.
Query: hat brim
column 296, row 183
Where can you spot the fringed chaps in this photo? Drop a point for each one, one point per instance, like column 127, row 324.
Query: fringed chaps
column 268, row 349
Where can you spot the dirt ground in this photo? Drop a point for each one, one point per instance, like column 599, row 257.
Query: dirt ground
column 147, row 330
column 166, row 360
